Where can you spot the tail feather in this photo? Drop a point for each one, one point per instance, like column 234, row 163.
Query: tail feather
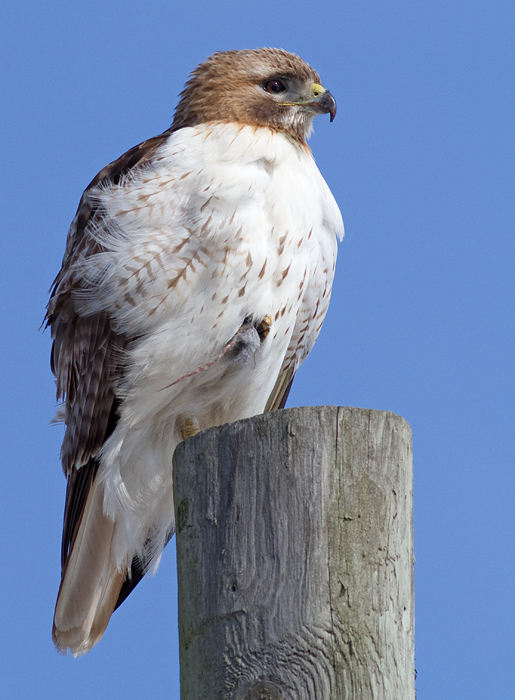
column 91, row 581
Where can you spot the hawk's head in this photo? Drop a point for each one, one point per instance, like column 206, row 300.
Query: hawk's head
column 262, row 87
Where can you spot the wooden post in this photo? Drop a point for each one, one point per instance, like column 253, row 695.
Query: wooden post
column 295, row 558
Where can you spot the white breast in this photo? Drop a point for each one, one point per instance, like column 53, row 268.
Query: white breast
column 227, row 223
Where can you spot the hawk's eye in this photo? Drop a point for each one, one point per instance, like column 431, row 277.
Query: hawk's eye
column 274, row 86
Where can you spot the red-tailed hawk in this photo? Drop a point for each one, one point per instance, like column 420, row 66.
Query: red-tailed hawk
column 196, row 277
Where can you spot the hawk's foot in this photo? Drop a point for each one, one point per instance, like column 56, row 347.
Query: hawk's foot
column 263, row 328
column 189, row 427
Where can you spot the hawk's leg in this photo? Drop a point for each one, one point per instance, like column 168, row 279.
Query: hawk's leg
column 247, row 339
column 189, row 427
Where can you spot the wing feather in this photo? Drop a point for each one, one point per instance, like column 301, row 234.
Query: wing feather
column 87, row 354
column 281, row 390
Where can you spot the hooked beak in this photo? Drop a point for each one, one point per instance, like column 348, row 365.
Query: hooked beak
column 324, row 103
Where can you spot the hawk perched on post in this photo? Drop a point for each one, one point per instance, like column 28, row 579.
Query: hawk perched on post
column 195, row 281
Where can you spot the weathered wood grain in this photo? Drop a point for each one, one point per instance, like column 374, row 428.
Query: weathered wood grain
column 295, row 558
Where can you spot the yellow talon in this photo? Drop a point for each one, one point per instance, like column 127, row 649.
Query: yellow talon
column 189, row 428
column 263, row 328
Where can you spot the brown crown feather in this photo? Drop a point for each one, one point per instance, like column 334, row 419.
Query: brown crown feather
column 227, row 87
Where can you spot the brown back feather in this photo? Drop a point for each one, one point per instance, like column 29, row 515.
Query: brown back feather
column 87, row 354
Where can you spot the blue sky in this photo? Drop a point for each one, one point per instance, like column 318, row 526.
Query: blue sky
column 421, row 161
